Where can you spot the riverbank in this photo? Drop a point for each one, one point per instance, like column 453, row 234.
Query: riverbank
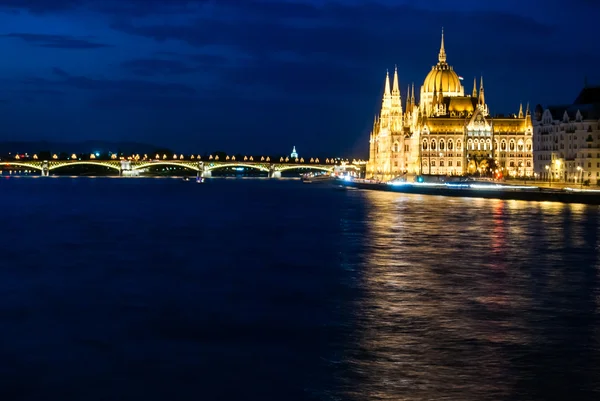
column 484, row 190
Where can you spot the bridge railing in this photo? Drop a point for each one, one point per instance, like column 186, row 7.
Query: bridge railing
column 62, row 157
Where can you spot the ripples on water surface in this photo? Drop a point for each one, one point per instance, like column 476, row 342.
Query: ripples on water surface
column 155, row 289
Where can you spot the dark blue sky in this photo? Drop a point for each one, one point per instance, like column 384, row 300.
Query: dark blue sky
column 260, row 76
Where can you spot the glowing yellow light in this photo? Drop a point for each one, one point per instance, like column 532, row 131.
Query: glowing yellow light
column 114, row 156
column 73, row 156
column 17, row 157
column 226, row 157
column 317, row 160
column 301, row 160
column 92, row 156
column 157, row 156
column 192, row 157
column 175, row 156
column 245, row 158
column 164, row 157
column 268, row 159
column 232, row 157
column 217, row 157
column 312, row 160
column 35, row 157
column 251, row 158
column 181, row 157
column 55, row 156
column 262, row 158
column 210, row 157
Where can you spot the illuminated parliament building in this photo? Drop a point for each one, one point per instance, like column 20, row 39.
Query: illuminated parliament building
column 447, row 132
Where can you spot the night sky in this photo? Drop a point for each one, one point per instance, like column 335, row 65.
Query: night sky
column 260, row 76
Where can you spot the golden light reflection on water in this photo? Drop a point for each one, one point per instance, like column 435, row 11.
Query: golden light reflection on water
column 457, row 290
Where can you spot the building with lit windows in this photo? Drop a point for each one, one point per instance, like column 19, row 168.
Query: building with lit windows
column 447, row 132
column 567, row 139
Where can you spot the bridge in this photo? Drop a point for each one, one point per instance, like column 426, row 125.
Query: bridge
column 134, row 165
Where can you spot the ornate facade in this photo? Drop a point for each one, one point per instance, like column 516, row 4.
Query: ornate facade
column 567, row 139
column 447, row 132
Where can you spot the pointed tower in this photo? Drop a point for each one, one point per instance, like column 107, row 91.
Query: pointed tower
column 396, row 104
column 387, row 83
column 474, row 87
column 386, row 103
column 412, row 96
column 521, row 110
column 396, row 87
column 481, row 102
column 481, row 94
column 528, row 116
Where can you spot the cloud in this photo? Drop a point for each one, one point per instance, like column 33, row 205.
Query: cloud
column 155, row 66
column 56, row 41
column 40, row 6
column 118, row 86
column 365, row 34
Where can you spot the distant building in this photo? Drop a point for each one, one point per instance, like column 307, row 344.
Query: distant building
column 567, row 139
column 447, row 132
column 294, row 154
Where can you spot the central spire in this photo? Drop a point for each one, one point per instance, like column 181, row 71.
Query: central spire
column 442, row 55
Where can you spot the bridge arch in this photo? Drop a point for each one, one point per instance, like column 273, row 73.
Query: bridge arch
column 75, row 163
column 189, row 166
column 22, row 165
column 253, row 166
column 304, row 167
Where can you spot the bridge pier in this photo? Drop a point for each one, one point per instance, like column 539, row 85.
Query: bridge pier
column 125, row 168
column 45, row 169
column 274, row 173
column 203, row 170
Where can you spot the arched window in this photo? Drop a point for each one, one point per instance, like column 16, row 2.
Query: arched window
column 511, row 145
column 442, row 144
column 450, row 144
column 470, row 145
column 489, row 144
column 396, row 147
column 529, row 145
column 424, row 145
column 433, row 144
column 503, row 145
column 459, row 145
column 520, row 145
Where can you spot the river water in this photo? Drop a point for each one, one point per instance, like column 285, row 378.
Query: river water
column 158, row 289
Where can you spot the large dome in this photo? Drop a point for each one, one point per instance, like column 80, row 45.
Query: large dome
column 442, row 78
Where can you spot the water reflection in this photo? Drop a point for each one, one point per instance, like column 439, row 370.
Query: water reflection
column 468, row 299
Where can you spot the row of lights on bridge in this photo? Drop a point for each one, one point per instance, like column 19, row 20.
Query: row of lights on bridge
column 215, row 158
